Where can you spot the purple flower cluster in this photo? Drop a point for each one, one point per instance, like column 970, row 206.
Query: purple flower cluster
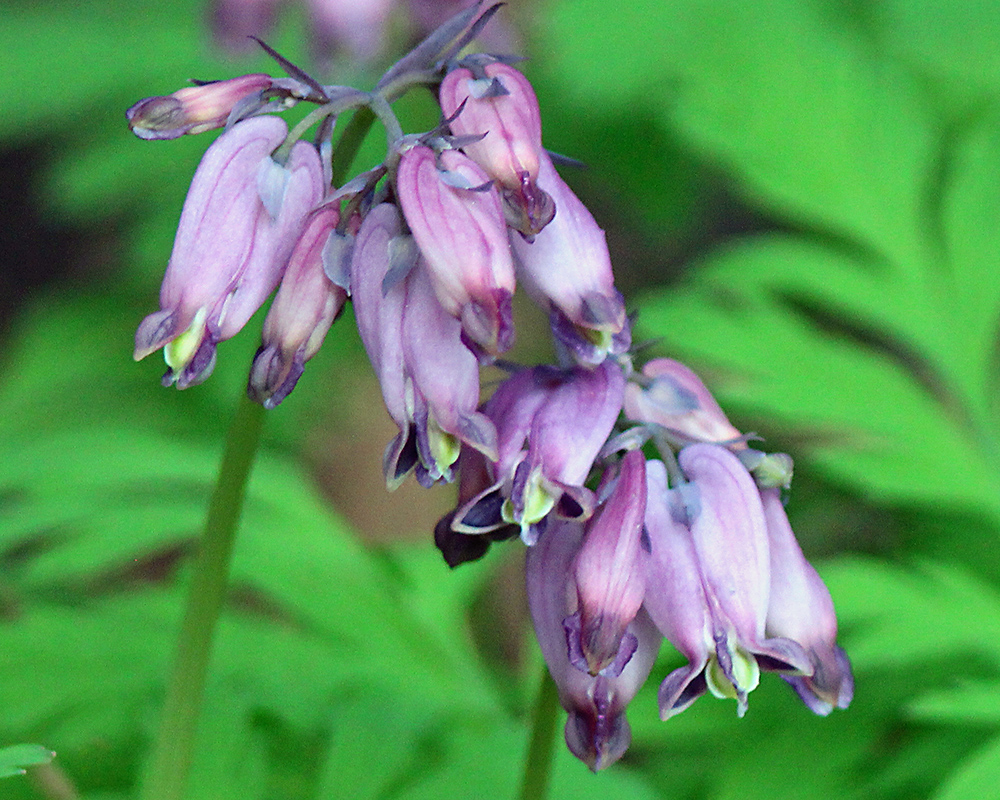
column 694, row 548
column 623, row 550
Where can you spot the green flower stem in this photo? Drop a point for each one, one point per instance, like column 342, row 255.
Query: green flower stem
column 167, row 775
column 538, row 761
column 350, row 142
column 171, row 760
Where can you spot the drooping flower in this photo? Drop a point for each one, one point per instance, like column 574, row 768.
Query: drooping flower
column 302, row 312
column 230, row 249
column 429, row 379
column 445, row 377
column 722, row 510
column 673, row 396
column 675, row 596
column 567, row 271
column 597, row 731
column 670, row 395
column 551, row 426
column 800, row 608
column 610, row 581
column 455, row 216
column 500, row 103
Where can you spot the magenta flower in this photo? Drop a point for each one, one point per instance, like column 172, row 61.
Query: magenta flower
column 429, row 379
column 462, row 236
column 302, row 312
column 597, row 731
column 551, row 426
column 193, row 109
column 608, row 572
column 567, row 271
column 230, row 249
column 501, row 104
column 445, row 377
column 800, row 608
column 729, row 544
column 675, row 596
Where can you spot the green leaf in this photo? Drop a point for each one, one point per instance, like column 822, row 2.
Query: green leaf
column 14, row 758
column 972, row 702
column 47, row 46
column 952, row 42
column 795, row 106
column 766, row 317
column 977, row 776
column 900, row 616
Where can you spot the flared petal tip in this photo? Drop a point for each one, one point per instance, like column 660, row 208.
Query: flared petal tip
column 154, row 332
column 830, row 686
column 586, row 345
column 602, row 312
column 401, row 457
column 783, row 655
column 680, row 689
column 478, row 431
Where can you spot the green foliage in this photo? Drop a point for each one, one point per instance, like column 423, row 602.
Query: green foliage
column 855, row 326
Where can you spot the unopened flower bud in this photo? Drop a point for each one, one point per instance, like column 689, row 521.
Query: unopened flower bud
column 610, row 581
column 193, row 109
column 769, row 470
column 671, row 395
column 302, row 312
column 502, row 105
column 462, row 236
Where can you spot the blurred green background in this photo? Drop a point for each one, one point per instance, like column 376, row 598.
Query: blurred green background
column 802, row 199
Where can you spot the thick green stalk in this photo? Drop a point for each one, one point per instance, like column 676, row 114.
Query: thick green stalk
column 171, row 761
column 541, row 747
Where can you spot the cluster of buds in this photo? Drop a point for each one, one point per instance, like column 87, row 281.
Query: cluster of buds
column 429, row 247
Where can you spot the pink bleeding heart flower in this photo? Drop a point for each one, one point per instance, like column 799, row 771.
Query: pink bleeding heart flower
column 243, row 215
column 567, row 272
column 501, row 104
column 455, row 216
column 302, row 312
